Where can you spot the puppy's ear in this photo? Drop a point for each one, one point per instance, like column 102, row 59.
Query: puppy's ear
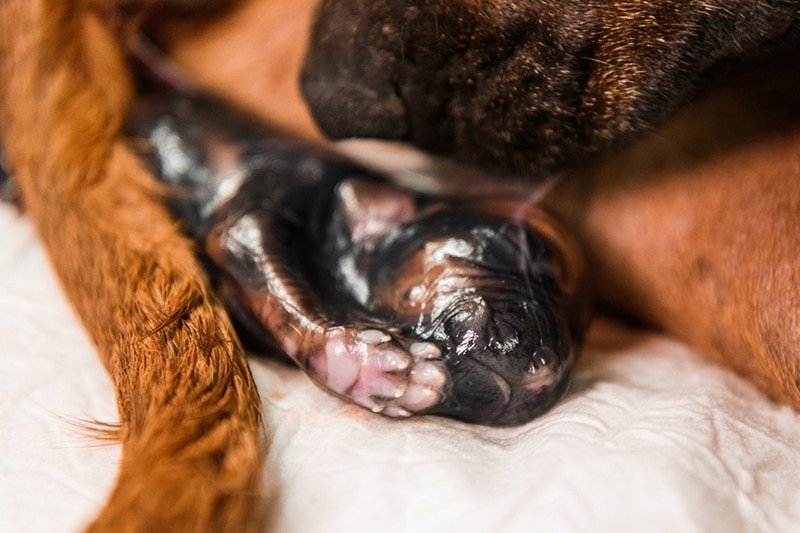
column 370, row 208
column 526, row 87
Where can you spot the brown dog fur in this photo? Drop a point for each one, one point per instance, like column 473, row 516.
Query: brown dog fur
column 189, row 410
column 702, row 249
column 695, row 229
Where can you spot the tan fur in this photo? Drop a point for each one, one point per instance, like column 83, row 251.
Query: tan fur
column 695, row 229
column 189, row 410
column 252, row 55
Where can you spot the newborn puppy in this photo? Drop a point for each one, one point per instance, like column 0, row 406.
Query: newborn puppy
column 399, row 301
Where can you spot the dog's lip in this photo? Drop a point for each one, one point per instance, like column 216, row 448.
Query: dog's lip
column 380, row 115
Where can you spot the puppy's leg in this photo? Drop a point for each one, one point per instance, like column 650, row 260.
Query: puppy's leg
column 189, row 410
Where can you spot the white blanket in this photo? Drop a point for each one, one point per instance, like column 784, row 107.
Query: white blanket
column 650, row 438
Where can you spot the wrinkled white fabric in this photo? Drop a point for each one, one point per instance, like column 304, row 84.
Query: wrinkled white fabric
column 650, row 438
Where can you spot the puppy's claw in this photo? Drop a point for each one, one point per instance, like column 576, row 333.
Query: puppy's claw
column 425, row 350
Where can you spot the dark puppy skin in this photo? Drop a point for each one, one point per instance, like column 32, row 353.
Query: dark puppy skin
column 525, row 87
column 401, row 302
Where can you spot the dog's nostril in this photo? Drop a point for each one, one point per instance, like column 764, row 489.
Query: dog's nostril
column 350, row 109
column 542, row 358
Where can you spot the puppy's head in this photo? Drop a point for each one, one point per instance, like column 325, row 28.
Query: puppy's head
column 524, row 87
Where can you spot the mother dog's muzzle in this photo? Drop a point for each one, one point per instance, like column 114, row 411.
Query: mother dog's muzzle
column 525, row 87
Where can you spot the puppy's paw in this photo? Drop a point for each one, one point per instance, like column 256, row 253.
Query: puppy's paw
column 384, row 373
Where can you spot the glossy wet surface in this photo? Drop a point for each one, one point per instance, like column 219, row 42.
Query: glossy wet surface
column 401, row 302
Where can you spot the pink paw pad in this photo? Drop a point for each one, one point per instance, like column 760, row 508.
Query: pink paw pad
column 370, row 367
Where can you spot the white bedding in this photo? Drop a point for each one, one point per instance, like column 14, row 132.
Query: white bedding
column 651, row 438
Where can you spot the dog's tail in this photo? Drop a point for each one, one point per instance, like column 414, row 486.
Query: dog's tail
column 189, row 410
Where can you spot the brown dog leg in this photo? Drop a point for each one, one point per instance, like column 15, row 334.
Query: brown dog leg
column 695, row 229
column 189, row 411
column 251, row 55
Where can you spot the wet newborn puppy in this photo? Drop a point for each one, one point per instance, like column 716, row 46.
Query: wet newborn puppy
column 399, row 301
